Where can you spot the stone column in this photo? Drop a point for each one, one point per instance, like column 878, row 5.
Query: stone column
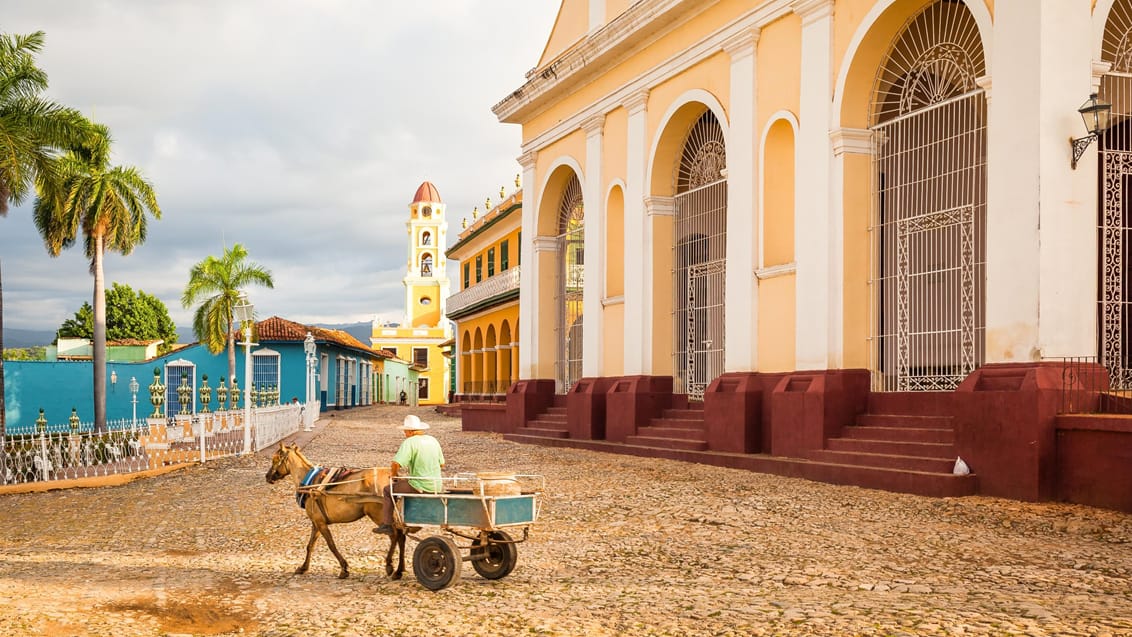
column 593, row 287
column 638, row 261
column 528, row 300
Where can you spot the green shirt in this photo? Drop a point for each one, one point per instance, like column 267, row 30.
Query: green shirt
column 421, row 457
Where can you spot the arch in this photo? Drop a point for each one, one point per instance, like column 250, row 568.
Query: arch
column 668, row 145
column 558, row 175
column 869, row 46
column 426, row 238
column 570, row 238
column 1100, row 23
column 776, row 119
column 426, row 264
column 615, row 240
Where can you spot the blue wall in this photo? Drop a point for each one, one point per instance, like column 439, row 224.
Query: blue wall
column 58, row 386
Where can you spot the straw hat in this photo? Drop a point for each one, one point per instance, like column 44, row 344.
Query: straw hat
column 412, row 423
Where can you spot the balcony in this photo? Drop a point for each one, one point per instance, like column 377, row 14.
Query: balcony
column 484, row 291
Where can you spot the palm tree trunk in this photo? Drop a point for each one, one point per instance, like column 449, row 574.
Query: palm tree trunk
column 231, row 353
column 3, row 423
column 99, row 353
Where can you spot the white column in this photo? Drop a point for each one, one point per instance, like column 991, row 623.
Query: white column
column 741, row 291
column 528, row 298
column 638, row 260
column 1041, row 215
column 814, row 240
column 594, row 235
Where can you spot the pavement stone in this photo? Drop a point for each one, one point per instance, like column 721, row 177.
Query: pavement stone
column 625, row 546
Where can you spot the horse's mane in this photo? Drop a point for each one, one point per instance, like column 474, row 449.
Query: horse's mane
column 295, row 450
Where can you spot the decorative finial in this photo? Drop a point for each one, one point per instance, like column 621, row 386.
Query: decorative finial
column 475, row 213
column 518, row 182
column 502, row 192
column 464, row 223
column 487, row 204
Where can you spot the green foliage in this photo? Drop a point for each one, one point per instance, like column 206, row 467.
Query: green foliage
column 38, row 353
column 129, row 315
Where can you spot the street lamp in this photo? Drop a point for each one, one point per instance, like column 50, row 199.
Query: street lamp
column 244, row 312
column 309, row 348
column 1095, row 113
column 134, row 400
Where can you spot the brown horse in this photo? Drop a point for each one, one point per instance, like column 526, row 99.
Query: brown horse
column 347, row 500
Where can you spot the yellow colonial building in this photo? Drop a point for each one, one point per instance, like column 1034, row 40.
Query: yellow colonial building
column 760, row 228
column 486, row 307
column 419, row 340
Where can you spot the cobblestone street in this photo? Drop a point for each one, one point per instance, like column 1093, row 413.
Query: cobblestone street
column 625, row 545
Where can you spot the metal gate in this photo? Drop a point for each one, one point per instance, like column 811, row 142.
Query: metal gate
column 571, row 280
column 1114, row 231
column 700, row 259
column 928, row 227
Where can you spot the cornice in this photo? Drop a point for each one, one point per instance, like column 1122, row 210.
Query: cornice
column 660, row 206
column 527, row 160
column 593, row 125
column 852, row 141
column 545, row 244
column 636, row 101
column 741, row 44
column 812, row 10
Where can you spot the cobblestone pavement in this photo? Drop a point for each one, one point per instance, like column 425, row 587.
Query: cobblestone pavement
column 625, row 546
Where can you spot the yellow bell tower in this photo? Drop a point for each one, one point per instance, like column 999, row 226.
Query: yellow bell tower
column 418, row 341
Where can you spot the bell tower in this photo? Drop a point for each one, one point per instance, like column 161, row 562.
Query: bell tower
column 426, row 281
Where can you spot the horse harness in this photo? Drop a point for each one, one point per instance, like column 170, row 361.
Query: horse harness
column 318, row 479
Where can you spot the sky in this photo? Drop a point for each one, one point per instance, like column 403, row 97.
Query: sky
column 300, row 129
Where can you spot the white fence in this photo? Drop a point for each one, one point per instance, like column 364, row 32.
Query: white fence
column 63, row 452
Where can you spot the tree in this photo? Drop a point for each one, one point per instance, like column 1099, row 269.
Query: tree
column 137, row 316
column 217, row 282
column 108, row 205
column 37, row 353
column 32, row 131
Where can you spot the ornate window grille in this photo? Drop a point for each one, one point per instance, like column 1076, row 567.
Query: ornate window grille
column 699, row 258
column 571, row 280
column 928, row 226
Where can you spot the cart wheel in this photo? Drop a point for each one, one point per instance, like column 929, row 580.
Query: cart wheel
column 495, row 559
column 436, row 562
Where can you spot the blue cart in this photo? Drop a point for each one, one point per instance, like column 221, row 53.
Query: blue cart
column 475, row 508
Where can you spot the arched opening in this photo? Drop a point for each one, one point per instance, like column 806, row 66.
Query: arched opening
column 1114, row 224
column 466, row 363
column 777, row 318
column 490, row 363
column 928, row 229
column 426, row 264
column 571, row 280
column 505, row 362
column 477, row 362
column 699, row 257
column 426, row 238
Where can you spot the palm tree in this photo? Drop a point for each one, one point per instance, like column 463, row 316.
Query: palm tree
column 108, row 204
column 217, row 282
column 32, row 130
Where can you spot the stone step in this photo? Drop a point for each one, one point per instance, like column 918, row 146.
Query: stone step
column 899, row 434
column 558, row 418
column 688, row 414
column 892, row 447
column 935, row 403
column 556, row 411
column 543, row 432
column 885, row 461
column 937, row 485
column 905, row 421
column 683, row 444
column 671, row 429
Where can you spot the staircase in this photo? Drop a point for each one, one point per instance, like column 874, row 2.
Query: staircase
column 549, row 424
column 681, row 429
column 905, row 442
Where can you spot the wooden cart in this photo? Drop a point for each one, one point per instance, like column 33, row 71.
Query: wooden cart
column 474, row 508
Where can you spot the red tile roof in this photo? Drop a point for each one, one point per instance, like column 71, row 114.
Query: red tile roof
column 280, row 329
column 427, row 192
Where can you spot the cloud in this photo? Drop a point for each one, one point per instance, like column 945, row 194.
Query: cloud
column 298, row 128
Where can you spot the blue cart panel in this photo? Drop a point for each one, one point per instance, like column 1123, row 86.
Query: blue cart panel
column 485, row 512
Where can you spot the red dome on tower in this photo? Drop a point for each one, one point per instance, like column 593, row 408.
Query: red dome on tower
column 427, row 192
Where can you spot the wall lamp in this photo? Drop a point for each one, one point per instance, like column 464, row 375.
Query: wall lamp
column 1095, row 113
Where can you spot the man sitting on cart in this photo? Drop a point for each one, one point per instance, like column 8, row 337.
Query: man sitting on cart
column 421, row 457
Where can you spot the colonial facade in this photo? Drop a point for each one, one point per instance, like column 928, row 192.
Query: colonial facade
column 426, row 282
column 849, row 234
column 486, row 307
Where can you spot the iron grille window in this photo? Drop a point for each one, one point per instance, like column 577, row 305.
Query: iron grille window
column 491, row 262
column 420, row 356
column 265, row 369
column 504, row 256
column 422, row 389
column 479, row 269
column 174, row 372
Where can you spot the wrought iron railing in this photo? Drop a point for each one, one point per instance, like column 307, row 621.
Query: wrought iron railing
column 493, row 286
column 1085, row 388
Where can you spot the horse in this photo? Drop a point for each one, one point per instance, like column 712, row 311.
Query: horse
column 348, row 499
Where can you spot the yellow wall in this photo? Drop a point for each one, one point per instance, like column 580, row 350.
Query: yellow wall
column 777, row 320
column 779, row 68
column 613, row 354
column 858, row 172
column 662, row 296
column 569, row 27
column 425, row 315
column 614, row 8
column 613, row 148
column 512, row 239
column 548, row 326
column 615, row 243
column 778, row 195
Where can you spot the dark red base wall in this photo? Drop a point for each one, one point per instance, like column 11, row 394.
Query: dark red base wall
column 1094, row 461
column 632, row 401
column 484, row 417
column 808, row 408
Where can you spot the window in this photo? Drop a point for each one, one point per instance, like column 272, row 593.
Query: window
column 420, row 356
column 425, row 300
column 426, row 265
column 393, row 350
column 426, row 238
column 504, row 256
column 422, row 389
column 265, row 369
column 174, row 373
column 479, row 268
column 490, row 262
column 467, row 269
column 426, row 212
